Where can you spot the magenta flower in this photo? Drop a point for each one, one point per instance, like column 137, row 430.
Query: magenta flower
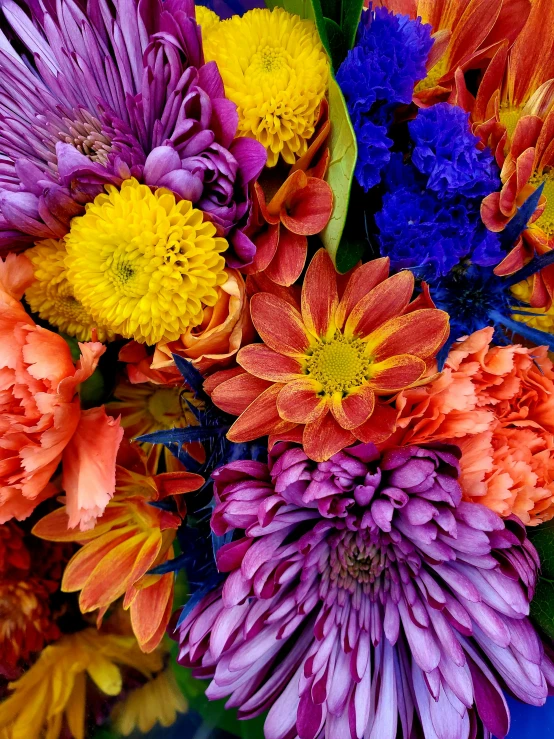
column 366, row 598
column 100, row 96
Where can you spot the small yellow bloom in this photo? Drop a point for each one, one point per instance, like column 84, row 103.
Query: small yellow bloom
column 206, row 19
column 55, row 686
column 542, row 319
column 275, row 69
column 158, row 701
column 143, row 264
column 51, row 295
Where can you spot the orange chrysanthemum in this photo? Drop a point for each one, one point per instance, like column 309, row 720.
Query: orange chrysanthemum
column 497, row 405
column 130, row 539
column 321, row 368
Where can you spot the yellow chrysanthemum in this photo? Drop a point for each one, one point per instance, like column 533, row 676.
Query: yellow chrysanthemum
column 275, row 69
column 543, row 319
column 54, row 688
column 143, row 264
column 158, row 701
column 51, row 295
column 206, row 19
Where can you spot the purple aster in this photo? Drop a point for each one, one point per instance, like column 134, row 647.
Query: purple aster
column 109, row 93
column 365, row 598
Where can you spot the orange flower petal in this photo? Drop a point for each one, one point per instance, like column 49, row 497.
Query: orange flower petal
column 380, row 425
column 386, row 300
column 325, row 437
column 471, row 30
column 294, row 182
column 289, row 259
column 150, row 612
column 353, row 410
column 531, row 62
column 362, row 280
column 421, row 333
column 279, row 324
column 177, row 483
column 146, row 558
column 261, row 361
column 260, row 418
column 81, row 566
column 308, row 210
column 299, row 402
column 396, row 373
column 266, row 248
column 235, row 395
column 319, row 295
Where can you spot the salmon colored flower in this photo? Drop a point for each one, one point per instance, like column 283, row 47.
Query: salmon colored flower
column 514, row 115
column 321, row 368
column 497, row 405
column 41, row 421
column 302, row 206
column 466, row 35
column 129, row 539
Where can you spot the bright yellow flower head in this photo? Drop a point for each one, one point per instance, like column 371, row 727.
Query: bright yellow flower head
column 55, row 686
column 275, row 69
column 158, row 701
column 144, row 264
column 51, row 295
column 206, row 19
column 543, row 319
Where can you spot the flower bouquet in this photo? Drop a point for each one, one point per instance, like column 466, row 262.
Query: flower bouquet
column 276, row 402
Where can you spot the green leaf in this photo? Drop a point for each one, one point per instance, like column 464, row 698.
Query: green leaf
column 337, row 42
column 344, row 152
column 542, row 606
column 351, row 13
column 91, row 391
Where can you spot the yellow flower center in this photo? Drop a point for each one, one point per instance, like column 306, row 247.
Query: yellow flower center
column 509, row 117
column 339, row 365
column 546, row 220
column 433, row 76
column 143, row 264
column 51, row 295
column 276, row 71
column 164, row 405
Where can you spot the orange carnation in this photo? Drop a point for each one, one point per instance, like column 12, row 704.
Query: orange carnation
column 41, row 421
column 497, row 404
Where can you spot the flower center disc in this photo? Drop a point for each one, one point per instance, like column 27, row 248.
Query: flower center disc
column 546, row 220
column 339, row 365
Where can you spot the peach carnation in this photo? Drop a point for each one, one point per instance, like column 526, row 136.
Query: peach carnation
column 497, row 404
column 225, row 327
column 41, row 421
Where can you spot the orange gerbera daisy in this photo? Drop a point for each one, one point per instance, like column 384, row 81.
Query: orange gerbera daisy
column 129, row 539
column 320, row 368
column 514, row 115
column 466, row 34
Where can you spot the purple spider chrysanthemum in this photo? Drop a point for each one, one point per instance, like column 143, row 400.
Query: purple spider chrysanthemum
column 366, row 598
column 107, row 93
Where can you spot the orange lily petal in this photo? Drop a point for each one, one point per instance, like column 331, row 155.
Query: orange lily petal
column 308, row 210
column 353, row 410
column 112, row 575
column 396, row 373
column 289, row 259
column 325, row 437
column 421, row 333
column 299, row 402
column 82, row 564
column 235, row 395
column 362, row 280
column 260, row 418
column 279, row 324
column 319, row 295
column 388, row 299
column 380, row 425
column 150, row 613
column 261, row 361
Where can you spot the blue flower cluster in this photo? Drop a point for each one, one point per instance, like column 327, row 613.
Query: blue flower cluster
column 379, row 74
column 430, row 218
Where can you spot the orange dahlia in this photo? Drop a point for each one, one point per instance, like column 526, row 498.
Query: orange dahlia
column 129, row 539
column 321, row 368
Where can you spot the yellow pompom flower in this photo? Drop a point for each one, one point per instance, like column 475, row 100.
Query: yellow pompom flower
column 542, row 319
column 158, row 701
column 275, row 69
column 51, row 295
column 206, row 19
column 53, row 690
column 144, row 264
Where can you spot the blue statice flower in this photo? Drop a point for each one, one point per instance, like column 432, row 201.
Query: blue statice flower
column 446, row 151
column 379, row 74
